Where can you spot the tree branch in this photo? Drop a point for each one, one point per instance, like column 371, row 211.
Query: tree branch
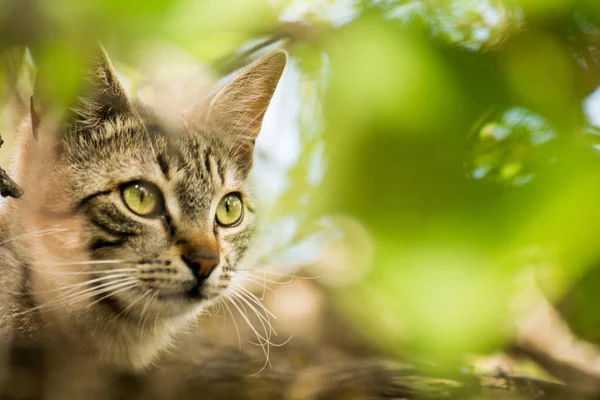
column 8, row 187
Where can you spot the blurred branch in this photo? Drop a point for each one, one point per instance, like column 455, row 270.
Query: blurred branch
column 297, row 31
column 232, row 62
column 8, row 187
column 379, row 379
column 582, row 38
column 530, row 388
column 547, row 339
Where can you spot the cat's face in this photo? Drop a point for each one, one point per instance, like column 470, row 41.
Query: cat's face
column 156, row 218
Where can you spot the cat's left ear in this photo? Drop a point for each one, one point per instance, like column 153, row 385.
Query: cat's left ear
column 237, row 110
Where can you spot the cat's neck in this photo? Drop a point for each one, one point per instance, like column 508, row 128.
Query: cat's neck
column 116, row 342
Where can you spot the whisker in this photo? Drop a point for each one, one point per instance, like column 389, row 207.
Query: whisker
column 122, row 288
column 109, row 281
column 220, row 311
column 261, row 339
column 242, row 310
column 74, row 297
column 89, row 262
column 144, row 294
column 98, row 289
column 261, row 318
column 144, row 321
column 264, row 279
column 41, row 233
column 85, row 283
column 256, row 301
column 250, row 296
column 262, row 285
column 283, row 343
column 92, row 272
column 234, row 323
column 278, row 273
column 263, row 343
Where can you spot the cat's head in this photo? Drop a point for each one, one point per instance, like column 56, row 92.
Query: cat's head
column 148, row 217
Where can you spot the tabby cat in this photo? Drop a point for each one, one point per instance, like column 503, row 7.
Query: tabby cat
column 131, row 227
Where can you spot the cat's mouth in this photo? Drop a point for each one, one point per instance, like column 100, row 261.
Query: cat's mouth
column 198, row 293
column 160, row 304
column 163, row 292
column 195, row 294
column 175, row 282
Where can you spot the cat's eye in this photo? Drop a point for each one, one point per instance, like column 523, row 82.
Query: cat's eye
column 143, row 199
column 230, row 210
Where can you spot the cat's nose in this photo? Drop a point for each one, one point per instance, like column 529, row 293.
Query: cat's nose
column 201, row 255
column 201, row 264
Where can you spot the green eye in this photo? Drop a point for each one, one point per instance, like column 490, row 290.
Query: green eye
column 230, row 210
column 143, row 199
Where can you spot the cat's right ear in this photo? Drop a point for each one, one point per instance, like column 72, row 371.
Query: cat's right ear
column 103, row 96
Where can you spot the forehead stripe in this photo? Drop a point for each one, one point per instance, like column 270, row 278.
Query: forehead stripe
column 162, row 163
column 207, row 165
column 220, row 171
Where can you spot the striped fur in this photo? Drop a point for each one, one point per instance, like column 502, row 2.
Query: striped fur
column 103, row 283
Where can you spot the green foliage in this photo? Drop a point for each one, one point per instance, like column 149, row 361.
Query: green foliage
column 468, row 168
column 454, row 134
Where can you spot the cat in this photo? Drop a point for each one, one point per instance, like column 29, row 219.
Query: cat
column 131, row 227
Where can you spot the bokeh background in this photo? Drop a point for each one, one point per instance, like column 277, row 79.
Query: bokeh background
column 425, row 171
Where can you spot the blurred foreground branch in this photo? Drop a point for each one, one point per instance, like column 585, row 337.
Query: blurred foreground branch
column 8, row 187
column 377, row 379
column 283, row 34
column 547, row 339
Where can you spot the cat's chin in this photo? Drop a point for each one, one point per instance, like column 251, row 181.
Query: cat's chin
column 164, row 305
